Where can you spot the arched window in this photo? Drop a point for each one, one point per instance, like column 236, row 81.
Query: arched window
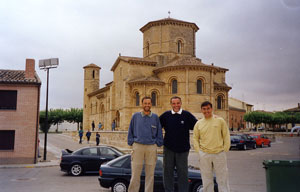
column 220, row 102
column 199, row 86
column 117, row 119
column 102, row 119
column 147, row 48
column 137, row 99
column 179, row 46
column 93, row 74
column 96, row 107
column 174, row 86
column 153, row 98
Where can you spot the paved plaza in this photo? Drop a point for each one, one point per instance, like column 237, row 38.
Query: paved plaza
column 246, row 172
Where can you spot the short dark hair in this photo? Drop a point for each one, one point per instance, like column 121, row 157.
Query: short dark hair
column 147, row 97
column 206, row 103
column 175, row 97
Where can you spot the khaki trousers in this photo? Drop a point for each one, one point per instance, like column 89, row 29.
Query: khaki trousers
column 142, row 154
column 218, row 164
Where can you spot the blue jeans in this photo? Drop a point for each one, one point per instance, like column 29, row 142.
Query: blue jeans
column 180, row 161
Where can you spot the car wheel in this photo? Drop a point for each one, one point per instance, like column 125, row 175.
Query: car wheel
column 262, row 145
column 198, row 187
column 119, row 186
column 245, row 147
column 76, row 170
column 254, row 146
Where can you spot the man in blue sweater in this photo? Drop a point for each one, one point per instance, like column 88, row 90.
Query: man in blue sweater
column 144, row 135
column 177, row 124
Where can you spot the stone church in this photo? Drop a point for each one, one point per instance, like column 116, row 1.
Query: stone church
column 169, row 67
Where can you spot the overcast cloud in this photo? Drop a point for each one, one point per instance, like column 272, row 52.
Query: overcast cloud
column 257, row 40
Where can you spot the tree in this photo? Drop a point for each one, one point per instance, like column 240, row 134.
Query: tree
column 74, row 115
column 254, row 117
column 42, row 121
column 57, row 116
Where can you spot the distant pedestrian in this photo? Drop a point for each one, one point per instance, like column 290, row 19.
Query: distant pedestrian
column 80, row 133
column 88, row 135
column 97, row 138
column 99, row 126
column 93, row 126
column 113, row 125
column 39, row 148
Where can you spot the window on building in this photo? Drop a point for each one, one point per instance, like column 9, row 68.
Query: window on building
column 93, row 74
column 153, row 98
column 179, row 46
column 174, row 86
column 137, row 99
column 7, row 139
column 219, row 102
column 147, row 48
column 96, row 107
column 8, row 99
column 199, row 86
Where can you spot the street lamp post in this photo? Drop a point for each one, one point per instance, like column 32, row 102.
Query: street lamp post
column 47, row 64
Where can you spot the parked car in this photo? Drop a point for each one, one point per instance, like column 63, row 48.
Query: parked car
column 242, row 141
column 87, row 159
column 261, row 140
column 117, row 173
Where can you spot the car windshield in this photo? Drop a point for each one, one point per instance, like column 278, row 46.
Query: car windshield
column 235, row 137
column 116, row 160
column 119, row 163
column 254, row 136
column 117, row 151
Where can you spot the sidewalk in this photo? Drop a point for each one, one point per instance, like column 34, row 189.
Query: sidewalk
column 56, row 142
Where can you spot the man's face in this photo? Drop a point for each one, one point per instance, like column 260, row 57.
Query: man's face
column 207, row 111
column 176, row 104
column 146, row 105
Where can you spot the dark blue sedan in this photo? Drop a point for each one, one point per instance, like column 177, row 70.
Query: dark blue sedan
column 117, row 173
column 242, row 141
column 87, row 159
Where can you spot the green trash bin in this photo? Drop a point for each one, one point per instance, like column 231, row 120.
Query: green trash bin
column 282, row 175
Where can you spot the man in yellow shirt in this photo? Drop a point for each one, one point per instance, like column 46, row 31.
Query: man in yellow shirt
column 212, row 139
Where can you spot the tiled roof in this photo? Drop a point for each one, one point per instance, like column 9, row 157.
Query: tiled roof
column 187, row 61
column 296, row 109
column 17, row 76
column 221, row 85
column 150, row 79
column 168, row 21
column 236, row 109
column 92, row 65
column 133, row 60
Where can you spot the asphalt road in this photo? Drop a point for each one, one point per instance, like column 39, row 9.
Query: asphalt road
column 246, row 172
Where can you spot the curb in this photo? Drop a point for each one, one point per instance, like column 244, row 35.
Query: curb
column 52, row 163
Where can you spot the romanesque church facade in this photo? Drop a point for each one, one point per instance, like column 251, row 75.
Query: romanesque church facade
column 169, row 67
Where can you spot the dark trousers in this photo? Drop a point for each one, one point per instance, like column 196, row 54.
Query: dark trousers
column 180, row 161
column 97, row 141
column 80, row 139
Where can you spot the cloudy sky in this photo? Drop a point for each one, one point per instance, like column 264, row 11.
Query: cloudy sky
column 257, row 40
